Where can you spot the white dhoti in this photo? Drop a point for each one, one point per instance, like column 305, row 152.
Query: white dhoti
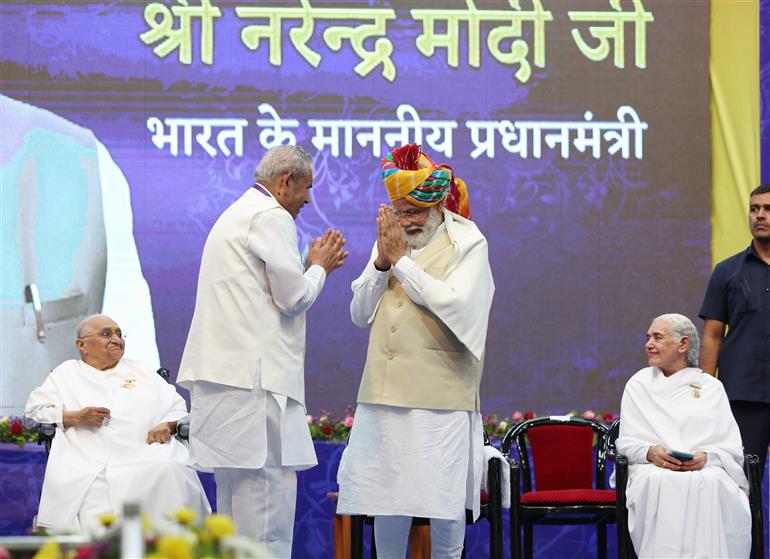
column 254, row 441
column 95, row 504
column 404, row 462
column 701, row 514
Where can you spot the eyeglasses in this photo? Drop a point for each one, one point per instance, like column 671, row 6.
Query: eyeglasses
column 106, row 333
column 409, row 213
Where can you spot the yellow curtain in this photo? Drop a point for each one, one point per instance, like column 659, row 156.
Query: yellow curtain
column 735, row 158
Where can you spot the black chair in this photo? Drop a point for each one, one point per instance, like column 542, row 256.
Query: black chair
column 625, row 545
column 568, row 465
column 751, row 466
column 47, row 431
column 491, row 509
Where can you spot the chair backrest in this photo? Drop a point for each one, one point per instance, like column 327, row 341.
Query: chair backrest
column 564, row 455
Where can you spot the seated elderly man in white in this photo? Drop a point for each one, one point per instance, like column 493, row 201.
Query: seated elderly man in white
column 686, row 493
column 113, row 443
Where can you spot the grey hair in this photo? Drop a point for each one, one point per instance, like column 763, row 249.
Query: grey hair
column 280, row 159
column 682, row 326
column 83, row 323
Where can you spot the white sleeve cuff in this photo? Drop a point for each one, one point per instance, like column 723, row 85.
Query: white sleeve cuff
column 403, row 268
column 316, row 272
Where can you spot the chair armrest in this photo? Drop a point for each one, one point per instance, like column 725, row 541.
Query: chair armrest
column 625, row 547
column 495, row 506
column 621, row 480
column 515, row 466
column 183, row 429
column 751, row 464
column 45, row 435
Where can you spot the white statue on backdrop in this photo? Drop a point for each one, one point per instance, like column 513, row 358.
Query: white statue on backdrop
column 68, row 248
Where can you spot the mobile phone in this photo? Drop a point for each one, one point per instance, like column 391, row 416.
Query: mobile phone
column 681, row 455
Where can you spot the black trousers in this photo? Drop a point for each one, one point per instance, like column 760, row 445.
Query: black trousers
column 754, row 422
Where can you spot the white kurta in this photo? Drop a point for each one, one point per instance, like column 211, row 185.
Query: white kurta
column 247, row 338
column 704, row 513
column 252, row 297
column 157, row 476
column 417, row 462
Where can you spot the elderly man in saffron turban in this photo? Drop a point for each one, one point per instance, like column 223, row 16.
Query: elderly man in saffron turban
column 416, row 445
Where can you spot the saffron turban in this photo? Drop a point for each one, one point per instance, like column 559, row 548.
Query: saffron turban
column 410, row 174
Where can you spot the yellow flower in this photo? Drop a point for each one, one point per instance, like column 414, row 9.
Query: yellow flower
column 50, row 550
column 174, row 547
column 219, row 526
column 108, row 520
column 204, row 538
column 146, row 524
column 185, row 516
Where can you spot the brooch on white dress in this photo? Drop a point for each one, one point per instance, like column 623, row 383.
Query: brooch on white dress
column 129, row 383
column 695, row 391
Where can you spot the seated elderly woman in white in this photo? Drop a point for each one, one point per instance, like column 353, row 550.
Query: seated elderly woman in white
column 686, row 494
column 113, row 440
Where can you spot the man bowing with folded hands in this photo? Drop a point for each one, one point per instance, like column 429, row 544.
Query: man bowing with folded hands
column 415, row 449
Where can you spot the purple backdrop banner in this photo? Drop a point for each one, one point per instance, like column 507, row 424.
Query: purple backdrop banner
column 764, row 87
column 581, row 128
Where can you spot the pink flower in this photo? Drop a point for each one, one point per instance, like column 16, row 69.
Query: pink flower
column 310, row 419
column 349, row 421
column 16, row 427
column 4, row 553
column 86, row 552
column 517, row 416
column 589, row 414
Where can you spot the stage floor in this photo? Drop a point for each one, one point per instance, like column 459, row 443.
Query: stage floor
column 21, row 477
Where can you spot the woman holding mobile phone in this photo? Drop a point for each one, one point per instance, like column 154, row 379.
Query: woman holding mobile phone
column 686, row 493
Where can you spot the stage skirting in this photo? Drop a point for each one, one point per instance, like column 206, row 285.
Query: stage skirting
column 21, row 477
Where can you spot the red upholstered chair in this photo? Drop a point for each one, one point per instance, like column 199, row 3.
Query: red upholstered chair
column 564, row 484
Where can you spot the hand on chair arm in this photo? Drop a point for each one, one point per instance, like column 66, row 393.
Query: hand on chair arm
column 161, row 433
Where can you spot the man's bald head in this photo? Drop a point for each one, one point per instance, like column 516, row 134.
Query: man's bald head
column 100, row 342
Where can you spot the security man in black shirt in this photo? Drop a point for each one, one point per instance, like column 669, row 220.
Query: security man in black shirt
column 738, row 300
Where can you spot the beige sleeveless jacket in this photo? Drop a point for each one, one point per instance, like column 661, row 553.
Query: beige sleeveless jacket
column 413, row 359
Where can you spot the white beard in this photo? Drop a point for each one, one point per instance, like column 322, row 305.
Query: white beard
column 422, row 235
